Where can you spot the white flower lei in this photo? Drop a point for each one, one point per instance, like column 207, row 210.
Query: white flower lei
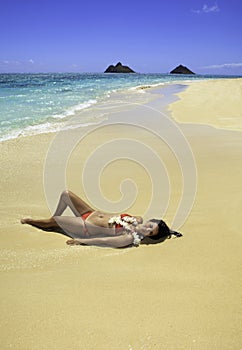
column 137, row 239
column 125, row 221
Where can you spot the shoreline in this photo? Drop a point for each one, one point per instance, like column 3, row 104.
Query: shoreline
column 120, row 298
column 112, row 98
column 89, row 106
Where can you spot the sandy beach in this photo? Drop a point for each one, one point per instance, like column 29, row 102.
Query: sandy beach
column 180, row 294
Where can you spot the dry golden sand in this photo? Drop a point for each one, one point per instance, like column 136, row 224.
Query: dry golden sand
column 181, row 294
column 220, row 106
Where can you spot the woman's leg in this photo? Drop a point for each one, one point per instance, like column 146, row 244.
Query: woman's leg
column 71, row 225
column 76, row 204
column 44, row 224
column 67, row 199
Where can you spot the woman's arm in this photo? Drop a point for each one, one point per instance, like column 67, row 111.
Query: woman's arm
column 112, row 242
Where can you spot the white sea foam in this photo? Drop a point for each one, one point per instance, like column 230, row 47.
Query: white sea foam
column 49, row 127
column 72, row 111
column 144, row 87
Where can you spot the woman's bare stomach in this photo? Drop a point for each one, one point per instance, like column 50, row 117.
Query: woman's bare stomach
column 97, row 224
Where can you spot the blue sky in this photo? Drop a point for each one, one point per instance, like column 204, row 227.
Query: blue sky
column 149, row 36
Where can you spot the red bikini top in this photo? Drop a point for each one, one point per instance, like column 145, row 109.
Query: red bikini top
column 118, row 226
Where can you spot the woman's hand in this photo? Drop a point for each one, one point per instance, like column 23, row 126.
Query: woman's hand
column 74, row 242
column 139, row 219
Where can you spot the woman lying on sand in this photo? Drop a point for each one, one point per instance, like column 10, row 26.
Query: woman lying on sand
column 91, row 227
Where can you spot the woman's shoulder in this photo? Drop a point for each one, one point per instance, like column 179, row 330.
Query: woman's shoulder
column 139, row 219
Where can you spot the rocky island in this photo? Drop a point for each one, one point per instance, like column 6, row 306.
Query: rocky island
column 119, row 68
column 181, row 70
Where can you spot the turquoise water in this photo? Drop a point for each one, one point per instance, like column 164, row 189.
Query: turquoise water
column 36, row 103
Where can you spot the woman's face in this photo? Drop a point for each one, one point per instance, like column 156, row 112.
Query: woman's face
column 149, row 228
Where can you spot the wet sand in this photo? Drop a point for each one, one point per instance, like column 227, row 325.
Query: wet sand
column 180, row 294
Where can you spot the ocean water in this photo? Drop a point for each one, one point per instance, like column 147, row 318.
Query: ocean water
column 37, row 103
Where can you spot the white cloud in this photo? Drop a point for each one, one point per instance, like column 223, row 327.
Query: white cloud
column 224, row 65
column 207, row 9
column 6, row 62
column 17, row 63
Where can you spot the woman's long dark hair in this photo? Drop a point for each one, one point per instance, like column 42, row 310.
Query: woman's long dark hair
column 164, row 231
